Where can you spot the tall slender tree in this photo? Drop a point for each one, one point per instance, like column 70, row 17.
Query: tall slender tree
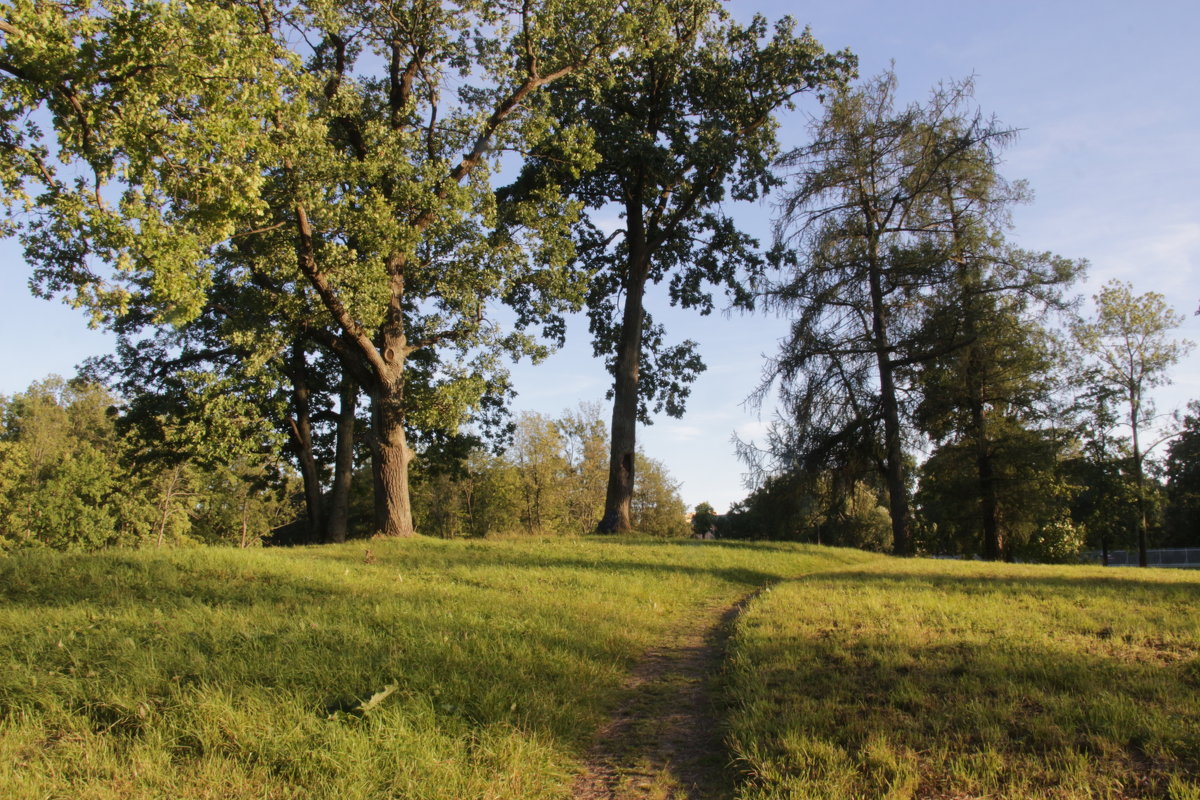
column 999, row 378
column 862, row 238
column 1130, row 343
column 685, row 122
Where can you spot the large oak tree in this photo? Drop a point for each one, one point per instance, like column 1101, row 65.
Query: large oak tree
column 352, row 142
column 685, row 123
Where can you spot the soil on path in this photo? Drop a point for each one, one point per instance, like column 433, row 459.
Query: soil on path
column 665, row 741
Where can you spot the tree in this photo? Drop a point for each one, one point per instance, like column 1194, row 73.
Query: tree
column 704, row 519
column 1132, row 351
column 584, row 438
column 1183, row 481
column 546, row 482
column 995, row 397
column 351, row 144
column 684, row 122
column 1031, row 495
column 70, row 478
column 657, row 507
column 541, row 472
column 60, row 469
column 866, row 239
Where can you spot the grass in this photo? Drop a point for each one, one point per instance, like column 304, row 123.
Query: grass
column 452, row 669
column 422, row 669
column 935, row 679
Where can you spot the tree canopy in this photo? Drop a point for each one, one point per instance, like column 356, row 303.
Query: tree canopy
column 333, row 150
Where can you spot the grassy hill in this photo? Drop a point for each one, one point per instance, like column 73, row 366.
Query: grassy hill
column 482, row 669
column 943, row 679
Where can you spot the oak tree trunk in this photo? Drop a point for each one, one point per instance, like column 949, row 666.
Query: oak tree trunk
column 338, row 522
column 618, row 502
column 392, row 457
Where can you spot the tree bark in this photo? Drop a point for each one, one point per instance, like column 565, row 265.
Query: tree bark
column 618, row 502
column 893, row 450
column 1139, row 480
column 393, row 505
column 379, row 506
column 993, row 543
column 300, row 427
column 338, row 523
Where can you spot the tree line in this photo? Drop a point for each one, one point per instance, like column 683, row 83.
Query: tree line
column 76, row 473
column 290, row 201
column 307, row 220
column 930, row 363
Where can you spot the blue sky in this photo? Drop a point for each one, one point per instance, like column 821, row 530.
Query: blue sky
column 1108, row 102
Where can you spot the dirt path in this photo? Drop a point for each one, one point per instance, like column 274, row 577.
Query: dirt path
column 665, row 741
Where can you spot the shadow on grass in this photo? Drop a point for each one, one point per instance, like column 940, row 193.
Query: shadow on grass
column 973, row 717
column 541, row 645
column 968, row 692
column 1007, row 579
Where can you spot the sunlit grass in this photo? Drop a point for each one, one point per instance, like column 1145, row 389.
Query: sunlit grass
column 218, row 673
column 934, row 679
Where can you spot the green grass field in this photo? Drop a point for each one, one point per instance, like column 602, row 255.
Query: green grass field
column 935, row 679
column 226, row 674
column 481, row 669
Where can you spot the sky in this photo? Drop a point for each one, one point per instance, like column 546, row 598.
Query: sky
column 1106, row 97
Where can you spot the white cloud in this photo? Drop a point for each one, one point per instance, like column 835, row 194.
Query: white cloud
column 752, row 430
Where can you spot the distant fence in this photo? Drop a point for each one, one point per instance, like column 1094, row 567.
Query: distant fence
column 1181, row 557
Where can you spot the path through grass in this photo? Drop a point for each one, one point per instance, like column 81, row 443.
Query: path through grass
column 428, row 669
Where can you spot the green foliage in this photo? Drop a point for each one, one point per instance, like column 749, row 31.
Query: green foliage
column 657, row 508
column 1183, row 482
column 682, row 122
column 551, row 480
column 1130, row 344
column 911, row 313
column 1033, row 490
column 828, row 508
column 70, row 478
column 60, row 470
column 704, row 519
column 913, row 679
column 335, row 155
column 1131, row 352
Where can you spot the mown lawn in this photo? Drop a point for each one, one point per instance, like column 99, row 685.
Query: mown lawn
column 422, row 669
column 935, row 679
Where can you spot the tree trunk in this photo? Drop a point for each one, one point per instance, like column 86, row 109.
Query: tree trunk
column 338, row 522
column 168, row 495
column 618, row 502
column 1139, row 481
column 393, row 456
column 993, row 543
column 379, row 506
column 300, row 427
column 245, row 525
column 893, row 450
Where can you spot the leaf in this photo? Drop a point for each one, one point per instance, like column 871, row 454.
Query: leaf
column 377, row 698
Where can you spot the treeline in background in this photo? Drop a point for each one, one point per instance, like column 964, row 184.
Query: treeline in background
column 77, row 473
